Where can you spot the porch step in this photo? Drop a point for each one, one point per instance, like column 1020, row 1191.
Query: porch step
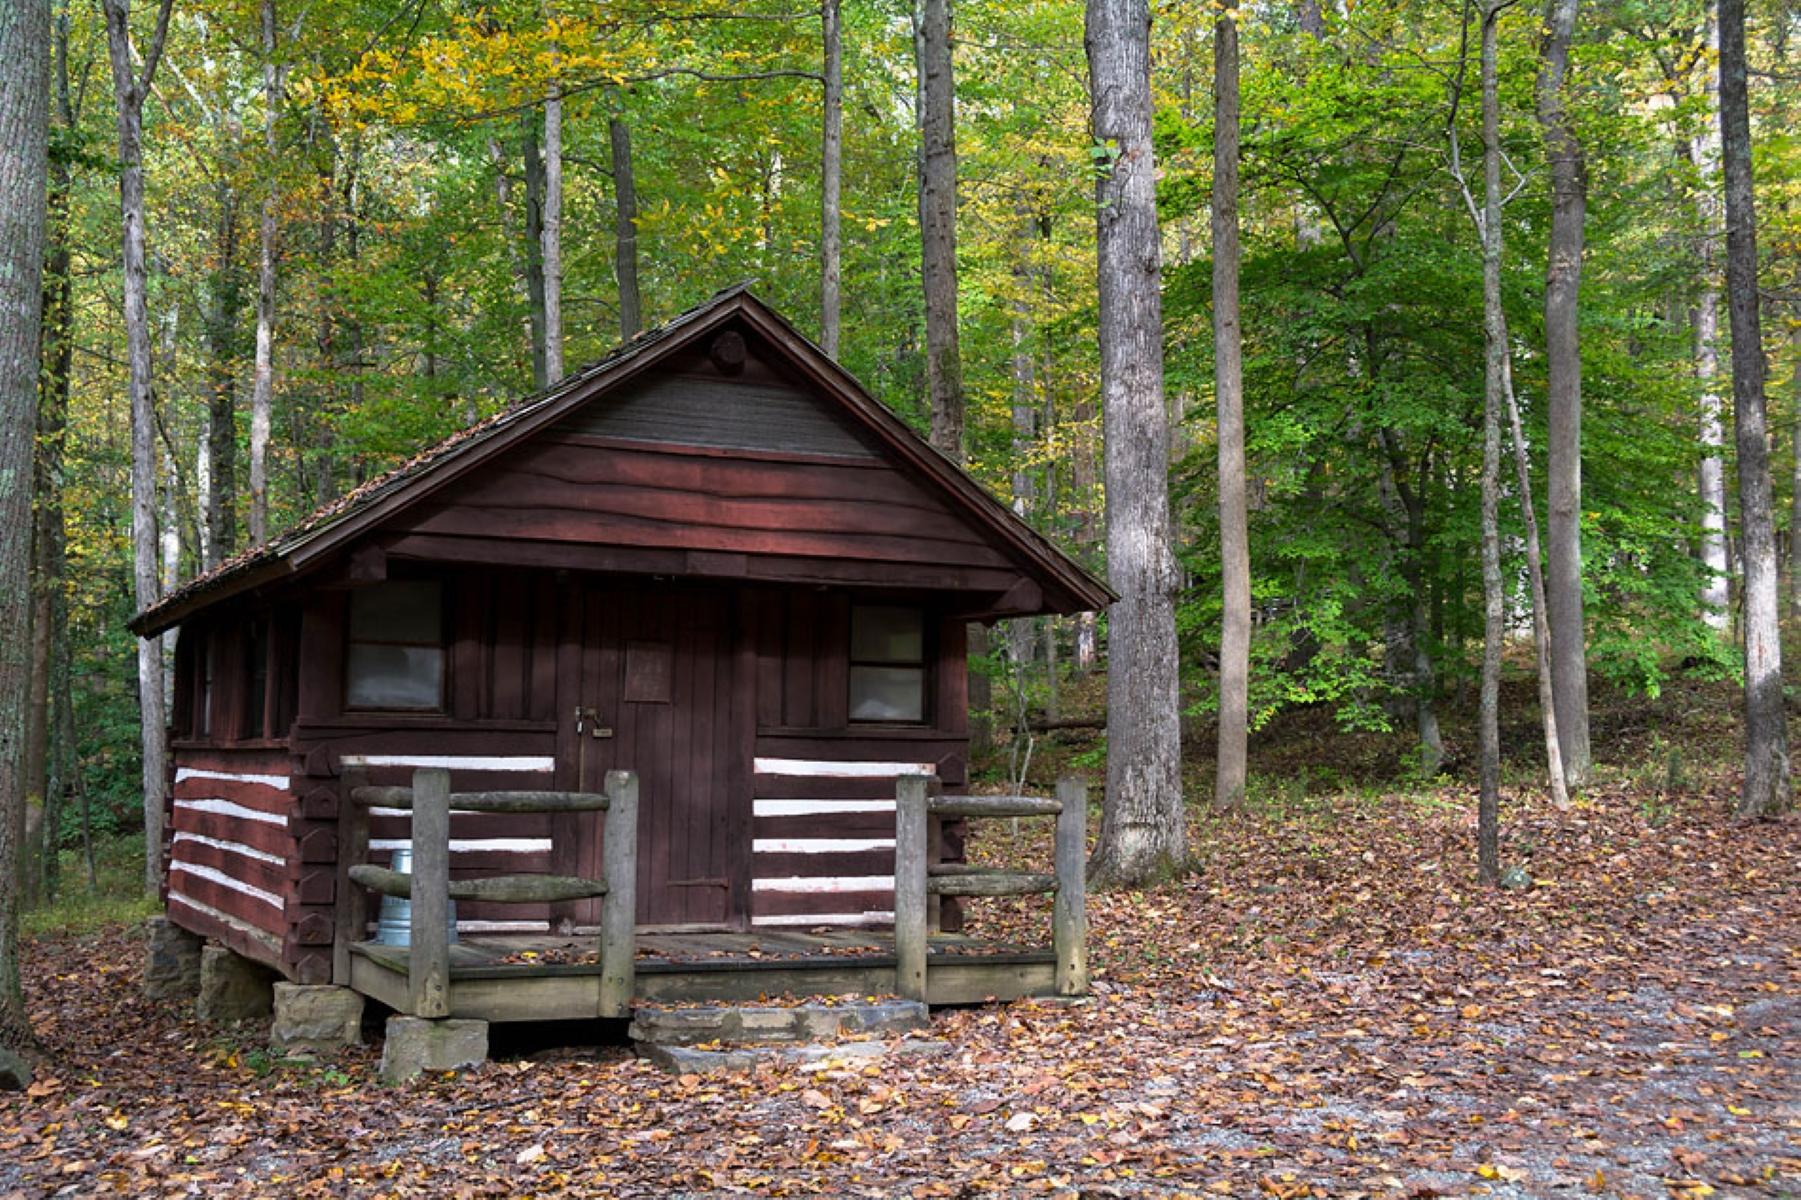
column 691, row 1060
column 764, row 1024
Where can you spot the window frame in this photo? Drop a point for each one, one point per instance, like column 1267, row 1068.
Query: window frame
column 925, row 665
column 442, row 645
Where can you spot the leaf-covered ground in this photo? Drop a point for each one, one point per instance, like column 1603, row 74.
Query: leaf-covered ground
column 1332, row 1007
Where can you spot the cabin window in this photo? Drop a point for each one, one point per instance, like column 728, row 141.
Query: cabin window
column 256, row 678
column 396, row 657
column 209, row 658
column 887, row 664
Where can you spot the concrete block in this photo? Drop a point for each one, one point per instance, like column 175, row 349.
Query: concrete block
column 414, row 1045
column 316, row 1017
column 171, row 961
column 234, row 988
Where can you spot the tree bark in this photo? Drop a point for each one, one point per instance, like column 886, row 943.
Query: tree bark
column 831, row 175
column 534, row 245
column 1794, row 523
column 1228, row 374
column 1541, row 626
column 1143, row 825
column 1705, row 151
column 938, row 225
column 24, row 140
column 130, row 88
column 223, row 300
column 1766, row 787
column 262, row 381
column 1563, row 396
column 625, row 230
column 552, row 234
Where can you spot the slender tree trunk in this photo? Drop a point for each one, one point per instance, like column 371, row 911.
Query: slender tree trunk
column 262, row 381
column 130, row 87
column 1563, row 396
column 1494, row 344
column 1794, row 521
column 49, row 616
column 534, row 246
column 1228, row 374
column 1541, row 627
column 1143, row 823
column 831, row 175
column 625, row 230
column 938, row 225
column 222, row 350
column 24, row 138
column 552, row 234
column 1705, row 149
column 1766, row 789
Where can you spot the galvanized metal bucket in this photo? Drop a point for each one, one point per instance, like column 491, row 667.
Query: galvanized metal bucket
column 394, row 925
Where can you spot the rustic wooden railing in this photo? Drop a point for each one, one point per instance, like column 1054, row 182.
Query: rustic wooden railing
column 430, row 889
column 917, row 879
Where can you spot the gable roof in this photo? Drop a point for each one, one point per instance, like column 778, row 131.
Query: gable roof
column 336, row 523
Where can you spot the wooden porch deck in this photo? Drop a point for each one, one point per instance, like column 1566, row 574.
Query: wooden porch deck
column 544, row 977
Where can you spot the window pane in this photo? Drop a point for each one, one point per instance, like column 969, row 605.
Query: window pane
column 397, row 612
column 895, row 635
column 887, row 694
column 395, row 677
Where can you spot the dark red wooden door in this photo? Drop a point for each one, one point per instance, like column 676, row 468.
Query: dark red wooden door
column 657, row 698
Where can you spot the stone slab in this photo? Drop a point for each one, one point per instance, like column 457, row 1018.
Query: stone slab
column 171, row 961
column 691, row 1060
column 760, row 1024
column 316, row 1018
column 415, row 1045
column 15, row 1072
column 234, row 988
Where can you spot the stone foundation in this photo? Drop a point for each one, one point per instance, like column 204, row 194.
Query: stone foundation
column 315, row 1018
column 415, row 1045
column 234, row 988
column 171, row 961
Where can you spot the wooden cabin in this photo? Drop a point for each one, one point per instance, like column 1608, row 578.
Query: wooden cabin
column 711, row 559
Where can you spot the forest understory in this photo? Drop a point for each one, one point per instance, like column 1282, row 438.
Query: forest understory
column 1330, row 1006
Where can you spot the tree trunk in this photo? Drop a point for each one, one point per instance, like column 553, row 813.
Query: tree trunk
column 1563, row 397
column 1228, row 374
column 1541, row 627
column 129, row 91
column 1143, row 826
column 1766, row 789
column 534, row 245
column 938, row 225
column 1494, row 344
column 552, row 234
column 262, row 381
column 831, row 175
column 1794, row 521
column 625, row 230
column 24, row 138
column 1705, row 150
column 223, row 301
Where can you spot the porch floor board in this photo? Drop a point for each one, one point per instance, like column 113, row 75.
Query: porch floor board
column 545, row 977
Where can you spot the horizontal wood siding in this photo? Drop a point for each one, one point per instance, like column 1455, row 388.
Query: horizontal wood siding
column 595, row 492
column 712, row 410
column 231, row 847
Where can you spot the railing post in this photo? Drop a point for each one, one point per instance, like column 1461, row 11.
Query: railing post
column 911, row 850
column 428, row 958
column 1069, row 918
column 351, row 923
column 619, row 908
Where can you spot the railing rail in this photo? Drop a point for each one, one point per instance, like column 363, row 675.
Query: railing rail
column 917, row 879
column 430, row 889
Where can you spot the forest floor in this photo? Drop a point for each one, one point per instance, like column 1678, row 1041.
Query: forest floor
column 1330, row 1006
